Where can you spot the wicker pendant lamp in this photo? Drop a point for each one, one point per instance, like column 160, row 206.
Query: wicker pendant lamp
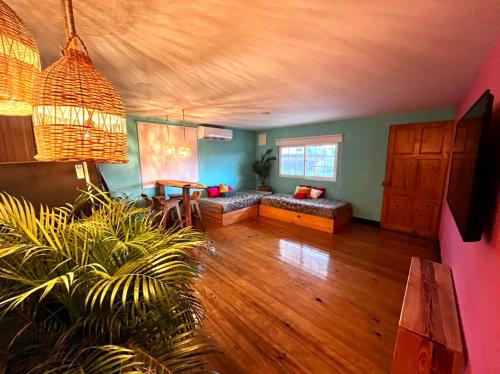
column 184, row 150
column 19, row 64
column 77, row 114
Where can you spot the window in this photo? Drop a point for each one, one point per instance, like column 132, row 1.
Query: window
column 313, row 160
column 292, row 161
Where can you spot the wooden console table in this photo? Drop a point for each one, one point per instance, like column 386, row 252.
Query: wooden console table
column 186, row 194
column 429, row 340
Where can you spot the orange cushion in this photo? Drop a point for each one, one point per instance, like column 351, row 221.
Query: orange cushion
column 323, row 189
column 302, row 190
column 223, row 188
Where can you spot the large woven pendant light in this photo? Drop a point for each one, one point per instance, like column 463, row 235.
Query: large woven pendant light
column 77, row 114
column 185, row 149
column 19, row 64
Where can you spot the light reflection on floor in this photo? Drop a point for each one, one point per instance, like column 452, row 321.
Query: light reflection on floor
column 309, row 259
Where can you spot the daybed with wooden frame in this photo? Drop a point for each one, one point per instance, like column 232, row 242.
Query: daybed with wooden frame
column 322, row 214
column 228, row 210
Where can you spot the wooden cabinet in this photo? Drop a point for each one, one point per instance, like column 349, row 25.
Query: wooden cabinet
column 17, row 141
column 45, row 183
column 417, row 163
column 41, row 183
column 428, row 339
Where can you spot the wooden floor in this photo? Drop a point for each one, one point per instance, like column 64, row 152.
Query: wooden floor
column 285, row 299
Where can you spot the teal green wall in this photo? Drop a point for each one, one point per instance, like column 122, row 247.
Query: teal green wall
column 361, row 165
column 219, row 161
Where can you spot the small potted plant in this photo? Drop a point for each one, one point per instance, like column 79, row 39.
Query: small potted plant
column 262, row 168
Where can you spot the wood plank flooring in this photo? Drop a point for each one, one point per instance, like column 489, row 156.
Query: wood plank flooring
column 286, row 299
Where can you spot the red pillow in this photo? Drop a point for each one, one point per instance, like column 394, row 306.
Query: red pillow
column 300, row 195
column 213, row 191
column 229, row 188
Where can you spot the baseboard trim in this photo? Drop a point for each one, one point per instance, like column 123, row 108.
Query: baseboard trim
column 365, row 221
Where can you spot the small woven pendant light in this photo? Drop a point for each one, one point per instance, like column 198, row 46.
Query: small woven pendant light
column 184, row 150
column 19, row 64
column 77, row 114
column 169, row 147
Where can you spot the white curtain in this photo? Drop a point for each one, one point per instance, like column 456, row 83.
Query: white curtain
column 155, row 164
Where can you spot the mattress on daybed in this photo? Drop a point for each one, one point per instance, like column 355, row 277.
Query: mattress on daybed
column 241, row 199
column 327, row 208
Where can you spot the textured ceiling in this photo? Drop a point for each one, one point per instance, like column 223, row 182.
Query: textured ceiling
column 262, row 63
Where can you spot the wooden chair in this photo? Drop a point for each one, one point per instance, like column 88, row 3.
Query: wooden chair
column 195, row 207
column 167, row 206
column 149, row 201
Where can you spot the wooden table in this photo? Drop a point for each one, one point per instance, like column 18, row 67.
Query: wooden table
column 186, row 194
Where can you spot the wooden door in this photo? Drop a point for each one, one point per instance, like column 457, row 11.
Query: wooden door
column 417, row 162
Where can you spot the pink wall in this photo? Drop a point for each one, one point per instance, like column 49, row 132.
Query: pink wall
column 476, row 266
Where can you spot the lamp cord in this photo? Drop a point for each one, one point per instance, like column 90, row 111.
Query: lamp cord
column 70, row 28
column 184, row 125
column 168, row 129
column 69, row 18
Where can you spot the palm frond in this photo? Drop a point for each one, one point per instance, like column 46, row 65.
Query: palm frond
column 108, row 359
column 78, row 282
column 262, row 167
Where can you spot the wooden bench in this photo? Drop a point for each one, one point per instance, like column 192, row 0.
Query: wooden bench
column 329, row 225
column 428, row 338
column 229, row 218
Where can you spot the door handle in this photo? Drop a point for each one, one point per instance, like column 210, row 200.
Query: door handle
column 385, row 184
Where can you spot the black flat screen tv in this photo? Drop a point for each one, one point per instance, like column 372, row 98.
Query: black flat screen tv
column 470, row 171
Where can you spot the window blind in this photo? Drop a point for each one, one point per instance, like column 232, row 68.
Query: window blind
column 324, row 139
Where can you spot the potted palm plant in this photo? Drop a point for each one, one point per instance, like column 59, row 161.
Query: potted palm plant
column 262, row 168
column 108, row 292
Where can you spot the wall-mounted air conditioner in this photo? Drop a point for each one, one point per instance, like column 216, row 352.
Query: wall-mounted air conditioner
column 214, row 133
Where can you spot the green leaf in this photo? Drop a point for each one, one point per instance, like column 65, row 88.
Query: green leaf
column 74, row 288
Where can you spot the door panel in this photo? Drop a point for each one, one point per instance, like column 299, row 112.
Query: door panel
column 417, row 162
column 402, row 207
column 425, row 216
column 427, row 172
column 432, row 140
column 404, row 141
column 401, row 175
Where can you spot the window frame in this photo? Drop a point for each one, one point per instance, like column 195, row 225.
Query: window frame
column 305, row 177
